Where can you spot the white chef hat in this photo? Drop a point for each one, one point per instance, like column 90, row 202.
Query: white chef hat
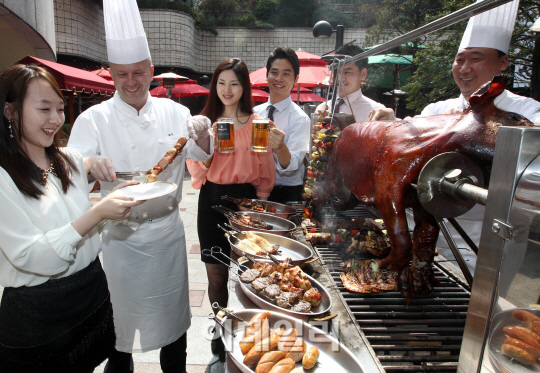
column 124, row 32
column 491, row 29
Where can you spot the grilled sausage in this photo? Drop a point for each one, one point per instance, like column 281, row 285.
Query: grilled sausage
column 529, row 332
column 524, row 346
column 517, row 353
column 525, row 317
column 514, row 332
column 254, row 324
column 260, row 348
column 283, row 366
column 268, row 361
column 310, row 358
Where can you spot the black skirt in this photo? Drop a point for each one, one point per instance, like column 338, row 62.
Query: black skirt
column 63, row 325
column 208, row 218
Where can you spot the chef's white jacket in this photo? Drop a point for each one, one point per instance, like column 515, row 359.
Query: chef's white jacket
column 144, row 258
column 472, row 220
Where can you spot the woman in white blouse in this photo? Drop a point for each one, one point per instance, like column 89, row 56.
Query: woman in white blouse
column 55, row 313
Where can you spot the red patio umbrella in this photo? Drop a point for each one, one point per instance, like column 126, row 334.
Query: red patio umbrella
column 104, row 73
column 313, row 72
column 259, row 95
column 306, row 95
column 182, row 89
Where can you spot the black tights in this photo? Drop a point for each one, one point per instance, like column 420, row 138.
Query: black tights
column 171, row 357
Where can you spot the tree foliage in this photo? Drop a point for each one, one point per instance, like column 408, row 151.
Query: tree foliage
column 332, row 15
column 433, row 80
column 295, row 13
column 265, row 10
column 219, row 9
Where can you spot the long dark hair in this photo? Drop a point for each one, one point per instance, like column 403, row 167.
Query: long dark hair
column 214, row 107
column 26, row 175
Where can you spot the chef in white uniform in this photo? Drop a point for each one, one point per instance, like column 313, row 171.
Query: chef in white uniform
column 481, row 55
column 144, row 257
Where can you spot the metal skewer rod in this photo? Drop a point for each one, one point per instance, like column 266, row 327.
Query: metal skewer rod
column 455, row 250
column 439, row 24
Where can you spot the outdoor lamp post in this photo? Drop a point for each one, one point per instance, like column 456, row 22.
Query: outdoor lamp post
column 323, row 29
column 168, row 80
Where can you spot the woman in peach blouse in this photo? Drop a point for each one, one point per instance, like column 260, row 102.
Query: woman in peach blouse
column 242, row 173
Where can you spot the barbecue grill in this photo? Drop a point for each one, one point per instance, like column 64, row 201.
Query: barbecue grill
column 434, row 332
column 422, row 336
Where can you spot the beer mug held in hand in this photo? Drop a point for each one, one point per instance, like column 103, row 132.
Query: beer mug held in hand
column 259, row 134
column 225, row 131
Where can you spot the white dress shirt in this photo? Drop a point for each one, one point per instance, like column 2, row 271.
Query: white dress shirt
column 471, row 221
column 361, row 106
column 37, row 240
column 292, row 120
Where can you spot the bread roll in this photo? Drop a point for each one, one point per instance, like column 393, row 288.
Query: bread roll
column 248, row 342
column 297, row 351
column 283, row 366
column 268, row 361
column 260, row 348
column 286, row 341
column 310, row 358
column 255, row 323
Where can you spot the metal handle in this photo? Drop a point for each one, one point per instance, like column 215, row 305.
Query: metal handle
column 211, row 316
column 216, row 305
column 233, row 228
column 227, row 198
column 218, row 250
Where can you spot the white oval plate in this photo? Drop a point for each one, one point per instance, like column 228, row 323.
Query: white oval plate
column 147, row 191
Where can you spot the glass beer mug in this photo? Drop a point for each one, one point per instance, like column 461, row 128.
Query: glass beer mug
column 259, row 134
column 225, row 131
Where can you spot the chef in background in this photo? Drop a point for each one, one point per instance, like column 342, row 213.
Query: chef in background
column 353, row 77
column 482, row 54
column 144, row 257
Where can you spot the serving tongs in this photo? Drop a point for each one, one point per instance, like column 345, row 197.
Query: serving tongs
column 235, row 200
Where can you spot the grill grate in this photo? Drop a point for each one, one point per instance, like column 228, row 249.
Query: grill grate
column 424, row 336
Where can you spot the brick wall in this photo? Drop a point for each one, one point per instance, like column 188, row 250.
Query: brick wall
column 174, row 40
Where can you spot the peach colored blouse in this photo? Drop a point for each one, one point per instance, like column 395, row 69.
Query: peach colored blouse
column 242, row 166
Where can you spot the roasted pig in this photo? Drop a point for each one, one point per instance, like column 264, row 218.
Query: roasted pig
column 378, row 161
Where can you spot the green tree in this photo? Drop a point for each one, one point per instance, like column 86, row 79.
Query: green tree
column 433, row 80
column 331, row 15
column 525, row 48
column 265, row 9
column 219, row 9
column 295, row 13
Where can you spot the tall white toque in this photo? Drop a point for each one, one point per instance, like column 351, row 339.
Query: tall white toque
column 124, row 32
column 491, row 29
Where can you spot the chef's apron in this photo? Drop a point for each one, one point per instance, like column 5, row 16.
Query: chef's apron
column 146, row 267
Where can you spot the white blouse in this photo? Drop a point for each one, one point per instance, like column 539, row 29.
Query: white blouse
column 37, row 240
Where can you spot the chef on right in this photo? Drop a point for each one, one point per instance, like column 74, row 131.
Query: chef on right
column 481, row 55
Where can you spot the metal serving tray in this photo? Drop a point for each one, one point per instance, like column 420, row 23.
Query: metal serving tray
column 297, row 251
column 280, row 226
column 334, row 356
column 267, row 304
